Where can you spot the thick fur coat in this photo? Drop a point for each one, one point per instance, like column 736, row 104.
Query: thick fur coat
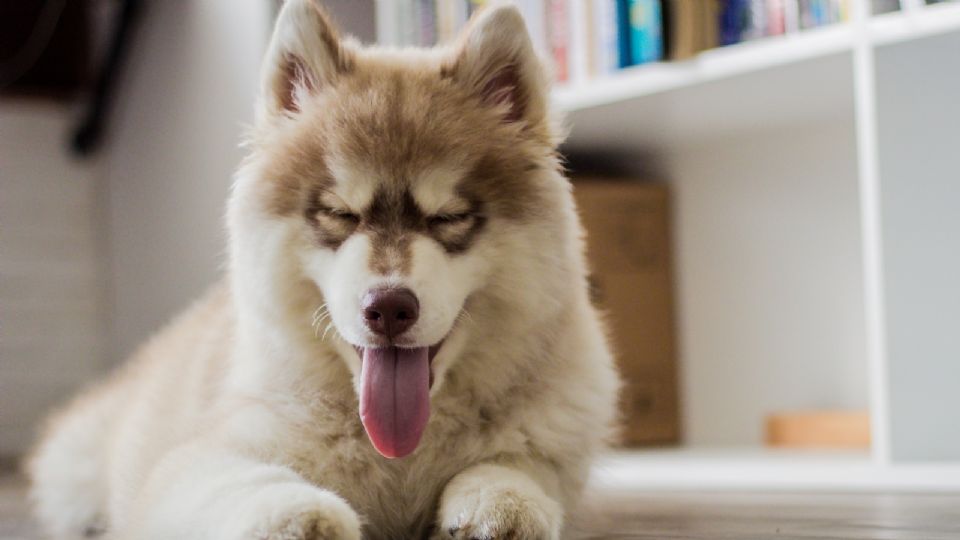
column 434, row 171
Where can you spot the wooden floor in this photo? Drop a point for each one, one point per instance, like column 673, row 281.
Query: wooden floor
column 688, row 516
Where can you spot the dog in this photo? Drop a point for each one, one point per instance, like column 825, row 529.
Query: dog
column 403, row 345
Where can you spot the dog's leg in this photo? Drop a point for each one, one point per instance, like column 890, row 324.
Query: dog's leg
column 68, row 471
column 495, row 502
column 199, row 492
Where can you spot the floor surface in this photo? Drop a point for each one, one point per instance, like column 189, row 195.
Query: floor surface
column 699, row 516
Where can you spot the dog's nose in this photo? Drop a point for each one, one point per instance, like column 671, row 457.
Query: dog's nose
column 390, row 312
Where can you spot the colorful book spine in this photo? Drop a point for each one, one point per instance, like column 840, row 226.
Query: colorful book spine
column 654, row 21
column 646, row 34
column 534, row 15
column 791, row 16
column 428, row 23
column 606, row 39
column 755, row 24
column 776, row 21
column 814, row 13
column 623, row 33
column 845, row 10
column 408, row 21
column 732, row 21
column 558, row 28
column 473, row 6
column 461, row 14
column 585, row 38
column 821, row 12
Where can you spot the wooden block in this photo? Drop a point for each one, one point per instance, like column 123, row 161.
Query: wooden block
column 819, row 429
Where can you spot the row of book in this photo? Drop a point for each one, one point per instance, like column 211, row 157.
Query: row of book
column 588, row 38
column 603, row 35
column 742, row 20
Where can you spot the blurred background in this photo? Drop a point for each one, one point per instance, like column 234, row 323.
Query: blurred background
column 770, row 189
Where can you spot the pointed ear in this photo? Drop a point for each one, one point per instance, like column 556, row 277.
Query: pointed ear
column 496, row 60
column 305, row 54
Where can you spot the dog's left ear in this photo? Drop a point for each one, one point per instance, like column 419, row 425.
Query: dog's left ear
column 495, row 59
column 305, row 54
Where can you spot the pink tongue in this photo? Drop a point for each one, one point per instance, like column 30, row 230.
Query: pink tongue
column 395, row 398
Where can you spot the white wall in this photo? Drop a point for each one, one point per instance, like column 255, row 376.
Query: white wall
column 50, row 263
column 96, row 255
column 189, row 89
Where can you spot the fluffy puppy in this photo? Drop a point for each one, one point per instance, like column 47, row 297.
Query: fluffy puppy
column 403, row 346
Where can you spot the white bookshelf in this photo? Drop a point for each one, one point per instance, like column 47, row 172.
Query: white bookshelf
column 816, row 185
column 914, row 22
column 840, row 145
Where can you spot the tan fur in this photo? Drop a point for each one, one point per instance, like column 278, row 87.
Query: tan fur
column 407, row 168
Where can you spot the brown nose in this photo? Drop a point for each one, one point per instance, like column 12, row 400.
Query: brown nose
column 390, row 312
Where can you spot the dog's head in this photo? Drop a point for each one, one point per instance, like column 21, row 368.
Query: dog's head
column 390, row 186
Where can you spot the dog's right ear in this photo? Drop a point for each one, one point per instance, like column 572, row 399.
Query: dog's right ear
column 305, row 54
column 495, row 59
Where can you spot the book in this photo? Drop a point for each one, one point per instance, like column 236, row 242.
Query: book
column 473, row 6
column 426, row 11
column 776, row 22
column 589, row 38
column 558, row 28
column 683, row 28
column 407, row 22
column 733, row 19
column 604, row 37
column 691, row 27
column 451, row 16
column 623, row 33
column 646, row 34
column 534, row 15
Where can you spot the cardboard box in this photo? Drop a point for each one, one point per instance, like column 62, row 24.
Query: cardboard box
column 628, row 246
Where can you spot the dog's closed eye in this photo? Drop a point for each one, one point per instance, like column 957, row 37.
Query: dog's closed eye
column 339, row 214
column 440, row 220
column 333, row 224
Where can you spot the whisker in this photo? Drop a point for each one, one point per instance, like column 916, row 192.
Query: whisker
column 321, row 318
column 320, row 314
column 327, row 329
column 317, row 311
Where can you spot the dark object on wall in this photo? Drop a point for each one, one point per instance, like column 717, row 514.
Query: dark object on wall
column 44, row 48
column 89, row 132
column 46, row 51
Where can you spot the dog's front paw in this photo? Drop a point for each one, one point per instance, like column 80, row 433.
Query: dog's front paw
column 497, row 504
column 504, row 516
column 313, row 525
column 329, row 518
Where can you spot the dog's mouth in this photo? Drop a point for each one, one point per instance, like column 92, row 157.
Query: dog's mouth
column 395, row 387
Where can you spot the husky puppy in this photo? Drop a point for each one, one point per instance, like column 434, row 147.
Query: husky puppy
column 403, row 346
